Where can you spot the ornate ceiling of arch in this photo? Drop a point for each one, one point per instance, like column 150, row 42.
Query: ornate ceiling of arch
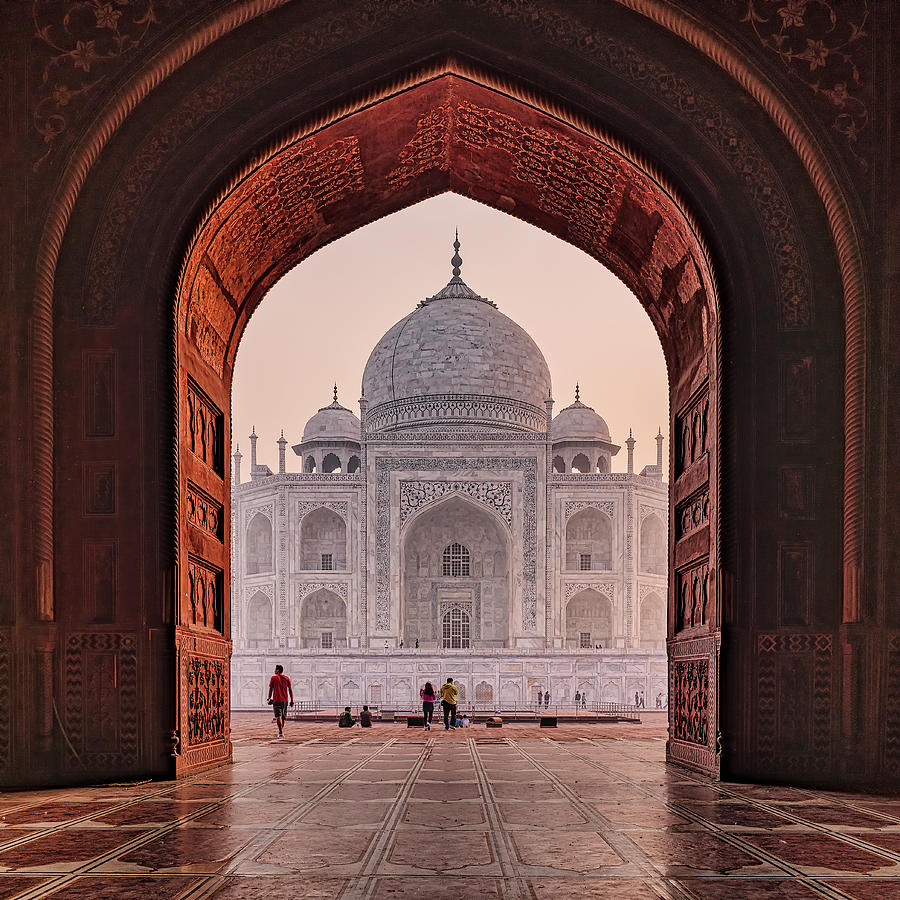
column 448, row 134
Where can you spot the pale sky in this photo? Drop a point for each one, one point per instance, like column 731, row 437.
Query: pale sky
column 318, row 324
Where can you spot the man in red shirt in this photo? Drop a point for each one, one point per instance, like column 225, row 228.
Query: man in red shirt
column 279, row 691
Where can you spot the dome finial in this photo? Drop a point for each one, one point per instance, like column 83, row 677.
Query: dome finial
column 456, row 262
column 577, row 392
column 335, row 392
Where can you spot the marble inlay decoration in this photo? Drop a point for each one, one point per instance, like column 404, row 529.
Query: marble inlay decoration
column 495, row 494
column 575, row 506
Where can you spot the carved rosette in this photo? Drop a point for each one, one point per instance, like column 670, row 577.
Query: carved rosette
column 497, row 495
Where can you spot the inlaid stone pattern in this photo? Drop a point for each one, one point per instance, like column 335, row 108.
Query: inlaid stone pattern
column 495, row 494
column 691, row 701
column 263, row 509
column 101, row 697
column 304, row 507
column 305, row 588
column 607, row 588
column 207, row 688
column 574, row 506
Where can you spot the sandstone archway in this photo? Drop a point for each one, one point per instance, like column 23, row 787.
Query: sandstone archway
column 787, row 280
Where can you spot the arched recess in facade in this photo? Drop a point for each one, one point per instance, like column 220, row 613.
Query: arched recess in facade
column 431, row 587
column 785, row 308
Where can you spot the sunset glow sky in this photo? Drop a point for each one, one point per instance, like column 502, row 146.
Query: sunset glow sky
column 318, row 325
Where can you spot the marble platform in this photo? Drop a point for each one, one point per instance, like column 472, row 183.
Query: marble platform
column 578, row 812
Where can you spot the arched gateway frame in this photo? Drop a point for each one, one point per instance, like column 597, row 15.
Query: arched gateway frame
column 129, row 504
column 451, row 133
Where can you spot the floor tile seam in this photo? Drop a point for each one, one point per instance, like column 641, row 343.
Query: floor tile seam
column 145, row 838
column 728, row 837
column 90, row 817
column 500, row 838
column 364, row 884
column 644, row 859
column 268, row 836
column 734, row 838
column 847, row 838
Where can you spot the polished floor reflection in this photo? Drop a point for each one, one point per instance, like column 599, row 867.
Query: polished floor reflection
column 580, row 811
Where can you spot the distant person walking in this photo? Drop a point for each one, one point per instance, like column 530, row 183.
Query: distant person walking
column 428, row 698
column 659, row 701
column 643, row 704
column 540, row 698
column 449, row 693
column 546, row 699
column 365, row 718
column 577, row 698
column 637, row 700
column 280, row 690
column 584, row 700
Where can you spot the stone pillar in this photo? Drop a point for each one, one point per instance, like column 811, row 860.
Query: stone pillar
column 361, row 619
column 659, row 456
column 236, row 466
column 630, row 442
column 549, row 571
column 282, row 450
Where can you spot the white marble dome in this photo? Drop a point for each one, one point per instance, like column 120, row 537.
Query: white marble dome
column 332, row 423
column 579, row 422
column 456, row 359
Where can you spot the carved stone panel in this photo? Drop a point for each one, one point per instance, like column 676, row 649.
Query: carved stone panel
column 206, row 429
column 692, row 514
column 100, row 579
column 692, row 596
column 690, row 699
column 205, row 603
column 691, row 429
column 574, row 506
column 891, row 726
column 204, row 512
column 795, row 590
column 99, row 485
column 101, row 701
column 796, row 399
column 100, row 393
column 207, row 685
column 796, row 492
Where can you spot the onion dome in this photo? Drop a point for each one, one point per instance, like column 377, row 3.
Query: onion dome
column 332, row 423
column 456, row 360
column 579, row 422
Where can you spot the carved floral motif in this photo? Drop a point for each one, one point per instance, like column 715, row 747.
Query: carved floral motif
column 204, row 512
column 339, row 507
column 692, row 514
column 574, row 506
column 205, row 429
column 692, row 597
column 207, row 690
column 821, row 44
column 205, row 595
column 305, row 588
column 607, row 588
column 495, row 494
column 690, row 701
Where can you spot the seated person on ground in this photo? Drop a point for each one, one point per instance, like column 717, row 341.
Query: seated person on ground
column 346, row 720
column 365, row 718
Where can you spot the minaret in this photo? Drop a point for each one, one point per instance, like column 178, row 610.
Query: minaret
column 548, row 405
column 236, row 467
column 659, row 443
column 282, row 449
column 253, row 451
column 630, row 442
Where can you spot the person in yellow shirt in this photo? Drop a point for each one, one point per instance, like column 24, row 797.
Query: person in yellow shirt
column 449, row 692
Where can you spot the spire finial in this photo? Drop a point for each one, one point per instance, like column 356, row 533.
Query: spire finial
column 335, row 392
column 456, row 261
column 577, row 392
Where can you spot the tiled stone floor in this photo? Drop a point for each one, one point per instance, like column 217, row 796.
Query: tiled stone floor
column 583, row 811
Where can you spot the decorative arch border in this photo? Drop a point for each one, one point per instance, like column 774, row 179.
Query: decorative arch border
column 338, row 507
column 573, row 507
column 179, row 51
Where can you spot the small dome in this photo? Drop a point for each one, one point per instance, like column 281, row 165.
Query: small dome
column 332, row 423
column 456, row 359
column 579, row 422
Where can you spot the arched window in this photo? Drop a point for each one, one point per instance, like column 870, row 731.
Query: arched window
column 581, row 464
column 331, row 464
column 652, row 622
column 259, row 545
column 309, row 464
column 455, row 629
column 353, row 465
column 653, row 546
column 456, row 561
column 603, row 465
column 322, row 621
column 559, row 465
column 588, row 620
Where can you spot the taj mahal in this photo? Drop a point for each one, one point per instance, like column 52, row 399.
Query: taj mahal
column 455, row 527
